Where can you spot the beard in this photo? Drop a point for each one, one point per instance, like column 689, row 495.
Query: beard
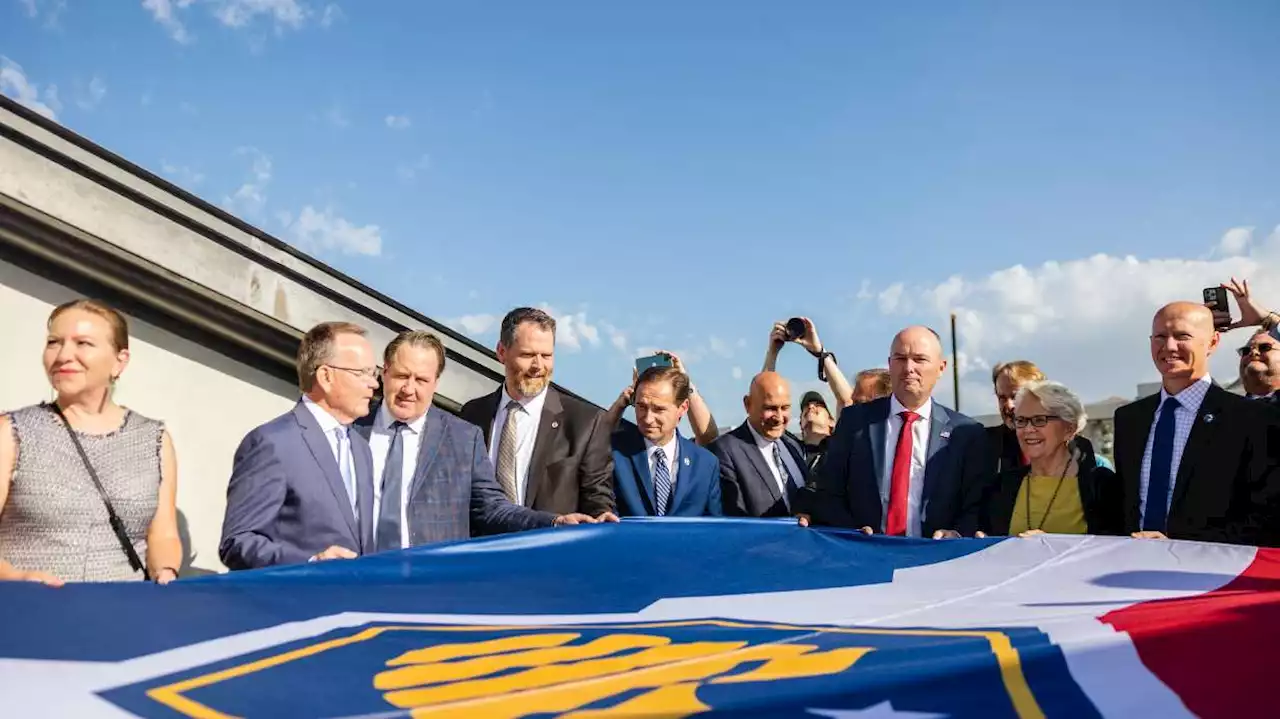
column 531, row 386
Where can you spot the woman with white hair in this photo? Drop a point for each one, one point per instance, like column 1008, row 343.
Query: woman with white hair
column 1063, row 489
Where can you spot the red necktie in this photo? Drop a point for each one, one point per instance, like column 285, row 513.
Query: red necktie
column 900, row 479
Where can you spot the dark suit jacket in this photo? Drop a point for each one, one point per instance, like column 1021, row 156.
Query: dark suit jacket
column 1226, row 488
column 747, row 486
column 1099, row 493
column 454, row 494
column 957, row 471
column 697, row 491
column 286, row 501
column 572, row 467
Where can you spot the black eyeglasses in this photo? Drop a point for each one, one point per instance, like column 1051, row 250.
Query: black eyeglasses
column 1038, row 420
column 1262, row 347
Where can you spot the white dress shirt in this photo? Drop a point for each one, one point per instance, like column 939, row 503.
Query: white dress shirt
column 793, row 470
column 526, row 433
column 380, row 443
column 328, row 424
column 1184, row 417
column 919, row 455
column 671, row 450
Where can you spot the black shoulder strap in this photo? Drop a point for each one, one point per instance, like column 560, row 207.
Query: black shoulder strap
column 117, row 525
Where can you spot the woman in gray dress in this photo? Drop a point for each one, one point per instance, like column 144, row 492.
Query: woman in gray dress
column 54, row 522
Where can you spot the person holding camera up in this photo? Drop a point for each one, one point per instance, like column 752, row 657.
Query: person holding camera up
column 700, row 419
column 817, row 422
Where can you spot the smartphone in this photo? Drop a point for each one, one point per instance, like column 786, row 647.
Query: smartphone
column 658, row 360
column 1215, row 298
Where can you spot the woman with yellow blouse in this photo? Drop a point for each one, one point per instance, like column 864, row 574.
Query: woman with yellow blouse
column 1063, row 489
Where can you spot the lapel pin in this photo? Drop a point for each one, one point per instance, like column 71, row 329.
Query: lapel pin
column 686, row 461
column 945, row 435
column 1208, row 418
column 555, row 425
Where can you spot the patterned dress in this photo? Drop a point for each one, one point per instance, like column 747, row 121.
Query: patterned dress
column 54, row 519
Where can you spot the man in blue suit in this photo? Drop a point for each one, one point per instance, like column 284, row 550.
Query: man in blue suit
column 904, row 464
column 433, row 478
column 657, row 472
column 302, row 484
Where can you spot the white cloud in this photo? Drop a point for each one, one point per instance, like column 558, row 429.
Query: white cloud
column 14, row 83
column 1235, row 241
column 720, row 347
column 573, row 329
column 736, row 373
column 250, row 198
column 325, row 231
column 398, row 122
column 476, row 324
column 181, row 174
column 409, row 171
column 91, row 95
column 52, row 9
column 239, row 13
column 1085, row 321
column 165, row 12
column 332, row 14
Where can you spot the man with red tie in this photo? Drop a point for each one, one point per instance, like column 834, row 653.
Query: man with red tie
column 904, row 465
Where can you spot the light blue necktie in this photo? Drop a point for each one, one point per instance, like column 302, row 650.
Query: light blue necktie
column 388, row 534
column 346, row 466
column 782, row 468
column 661, row 482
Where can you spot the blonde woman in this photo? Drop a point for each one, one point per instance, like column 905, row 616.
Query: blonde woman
column 87, row 487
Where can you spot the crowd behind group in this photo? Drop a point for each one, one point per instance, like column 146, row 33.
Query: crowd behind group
column 364, row 463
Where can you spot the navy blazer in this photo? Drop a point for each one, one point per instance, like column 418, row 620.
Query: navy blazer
column 286, row 501
column 697, row 490
column 957, row 471
column 454, row 494
column 747, row 486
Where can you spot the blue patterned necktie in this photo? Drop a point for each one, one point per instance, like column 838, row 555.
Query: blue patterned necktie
column 346, row 467
column 661, row 482
column 782, row 468
column 388, row 536
column 1160, row 481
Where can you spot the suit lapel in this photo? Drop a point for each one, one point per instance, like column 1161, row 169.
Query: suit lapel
column 879, row 431
column 428, row 448
column 939, row 437
column 1202, row 432
column 1139, row 429
column 683, row 471
column 322, row 452
column 363, row 460
column 493, row 401
column 757, row 460
column 640, row 461
column 548, row 434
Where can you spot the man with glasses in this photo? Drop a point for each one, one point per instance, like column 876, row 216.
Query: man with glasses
column 1260, row 367
column 302, row 484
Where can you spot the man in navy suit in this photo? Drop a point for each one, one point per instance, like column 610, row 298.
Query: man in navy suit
column 302, row 485
column 657, row 472
column 904, row 464
column 433, row 478
column 761, row 466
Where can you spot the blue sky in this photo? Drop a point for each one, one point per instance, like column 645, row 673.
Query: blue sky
column 680, row 175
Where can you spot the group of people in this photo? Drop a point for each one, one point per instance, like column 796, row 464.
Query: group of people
column 364, row 463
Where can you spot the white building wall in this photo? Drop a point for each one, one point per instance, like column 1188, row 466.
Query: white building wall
column 208, row 400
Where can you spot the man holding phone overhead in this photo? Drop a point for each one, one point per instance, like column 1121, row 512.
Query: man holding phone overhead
column 700, row 419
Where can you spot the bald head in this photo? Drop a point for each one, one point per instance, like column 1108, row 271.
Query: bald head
column 768, row 404
column 1182, row 340
column 915, row 364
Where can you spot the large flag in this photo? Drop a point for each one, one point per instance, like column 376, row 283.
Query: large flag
column 670, row 618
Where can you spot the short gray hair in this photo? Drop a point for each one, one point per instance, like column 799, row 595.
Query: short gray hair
column 1057, row 399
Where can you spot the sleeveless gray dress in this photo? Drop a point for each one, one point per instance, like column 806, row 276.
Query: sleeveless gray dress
column 54, row 519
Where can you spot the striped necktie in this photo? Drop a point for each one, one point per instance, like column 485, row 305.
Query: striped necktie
column 661, row 482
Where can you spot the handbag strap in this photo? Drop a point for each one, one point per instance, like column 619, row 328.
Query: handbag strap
column 117, row 525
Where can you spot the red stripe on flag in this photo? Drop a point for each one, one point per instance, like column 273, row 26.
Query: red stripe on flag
column 1215, row 650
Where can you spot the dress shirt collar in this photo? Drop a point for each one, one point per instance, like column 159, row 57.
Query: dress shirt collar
column 669, row 448
column 532, row 405
column 896, row 408
column 383, row 421
column 328, row 422
column 761, row 441
column 1192, row 397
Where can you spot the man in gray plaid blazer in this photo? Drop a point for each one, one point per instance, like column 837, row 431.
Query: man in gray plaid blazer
column 433, row 481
